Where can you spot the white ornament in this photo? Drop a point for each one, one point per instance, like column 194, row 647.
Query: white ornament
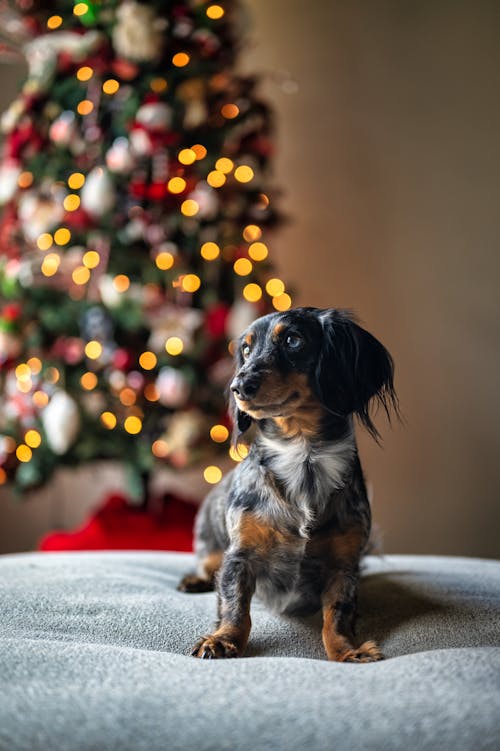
column 63, row 129
column 138, row 33
column 61, row 422
column 98, row 194
column 154, row 116
column 9, row 173
column 39, row 213
column 173, row 389
column 207, row 200
column 140, row 142
column 119, row 157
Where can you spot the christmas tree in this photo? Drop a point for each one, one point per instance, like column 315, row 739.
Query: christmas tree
column 136, row 207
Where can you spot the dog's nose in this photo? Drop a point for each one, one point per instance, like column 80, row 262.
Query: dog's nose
column 246, row 386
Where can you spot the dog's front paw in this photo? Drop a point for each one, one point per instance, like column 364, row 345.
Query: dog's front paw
column 214, row 648
column 367, row 652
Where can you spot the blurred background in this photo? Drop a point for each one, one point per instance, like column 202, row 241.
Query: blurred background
column 388, row 155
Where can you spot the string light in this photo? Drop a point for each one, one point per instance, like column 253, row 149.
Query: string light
column 219, row 433
column 76, row 180
column 84, row 73
column 275, row 287
column 258, row 251
column 242, row 267
column 62, row 236
column 209, row 251
column 54, row 22
column 230, row 111
column 252, row 292
column 71, row 202
column 189, row 207
column 23, row 372
column 160, row 449
column 108, row 419
column 35, row 365
column 180, row 59
column 91, row 259
column 24, row 453
column 239, row 452
column 80, row 9
column 174, row 345
column 50, row 264
column 199, row 150
column 93, row 349
column 244, row 173
column 128, row 397
column 88, row 381
column 110, row 86
column 25, row 179
column 225, row 165
column 215, row 12
column 133, row 425
column 85, row 107
column 186, row 156
column 216, row 179
column 148, row 360
column 121, row 283
column 176, row 185
column 151, row 393
column 191, row 283
column 45, row 241
column 52, row 375
column 81, row 275
column 164, row 260
column 158, row 85
column 282, row 302
column 3, row 476
column 25, row 386
column 212, row 474
column 40, row 399
column 252, row 233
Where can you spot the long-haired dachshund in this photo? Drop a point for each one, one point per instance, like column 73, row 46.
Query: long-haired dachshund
column 292, row 520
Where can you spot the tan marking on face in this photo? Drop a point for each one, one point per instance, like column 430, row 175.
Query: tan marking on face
column 274, row 391
column 277, row 330
column 249, row 339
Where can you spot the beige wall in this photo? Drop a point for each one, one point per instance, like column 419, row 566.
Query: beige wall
column 389, row 157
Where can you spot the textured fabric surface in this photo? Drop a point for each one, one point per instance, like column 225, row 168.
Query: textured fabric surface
column 94, row 655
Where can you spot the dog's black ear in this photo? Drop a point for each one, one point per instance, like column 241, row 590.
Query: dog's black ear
column 354, row 370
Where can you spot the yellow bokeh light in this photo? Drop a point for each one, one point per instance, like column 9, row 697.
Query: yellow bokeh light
column 164, row 260
column 33, row 438
column 128, row 397
column 212, row 474
column 160, row 449
column 176, row 185
column 215, row 12
column 148, row 360
column 88, row 381
column 180, row 59
column 230, row 111
column 25, row 386
column 45, row 241
column 219, row 433
column 242, row 267
column 76, row 180
column 71, row 202
column 91, row 259
column 40, row 399
column 3, row 476
column 191, row 283
column 189, row 207
column 224, row 165
column 239, row 452
column 62, row 236
column 50, row 264
column 282, row 302
column 151, row 393
column 84, row 73
column 35, row 365
column 54, row 22
column 199, row 150
column 81, row 275
column 251, row 233
column 174, row 345
column 110, row 86
column 52, row 375
column 80, row 9
column 93, row 349
column 85, row 107
column 108, row 419
column 25, row 179
column 158, row 85
column 186, row 156
column 275, row 287
column 216, row 179
column 258, row 251
column 209, row 251
column 24, row 453
column 121, row 282
column 133, row 425
column 243, row 173
column 23, row 372
column 252, row 292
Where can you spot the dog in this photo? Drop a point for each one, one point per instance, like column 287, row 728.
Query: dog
column 292, row 521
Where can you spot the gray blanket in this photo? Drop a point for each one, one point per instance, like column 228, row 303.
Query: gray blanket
column 94, row 655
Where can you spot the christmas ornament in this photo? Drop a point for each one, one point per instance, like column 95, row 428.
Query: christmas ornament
column 61, row 422
column 119, row 157
column 42, row 53
column 156, row 116
column 139, row 33
column 173, row 388
column 98, row 195
column 9, row 175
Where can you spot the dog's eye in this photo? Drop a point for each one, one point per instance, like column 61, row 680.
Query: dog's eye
column 245, row 351
column 294, row 342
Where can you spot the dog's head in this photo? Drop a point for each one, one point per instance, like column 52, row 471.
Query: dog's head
column 310, row 360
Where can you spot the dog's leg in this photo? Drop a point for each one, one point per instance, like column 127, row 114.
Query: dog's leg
column 236, row 586
column 339, row 610
column 204, row 579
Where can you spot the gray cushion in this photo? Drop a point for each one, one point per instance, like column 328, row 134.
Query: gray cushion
column 94, row 654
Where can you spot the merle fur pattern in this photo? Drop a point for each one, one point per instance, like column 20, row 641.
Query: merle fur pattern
column 292, row 520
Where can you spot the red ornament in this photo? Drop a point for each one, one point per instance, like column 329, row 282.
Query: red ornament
column 215, row 321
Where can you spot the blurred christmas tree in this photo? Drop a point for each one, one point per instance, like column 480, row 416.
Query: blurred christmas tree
column 135, row 191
